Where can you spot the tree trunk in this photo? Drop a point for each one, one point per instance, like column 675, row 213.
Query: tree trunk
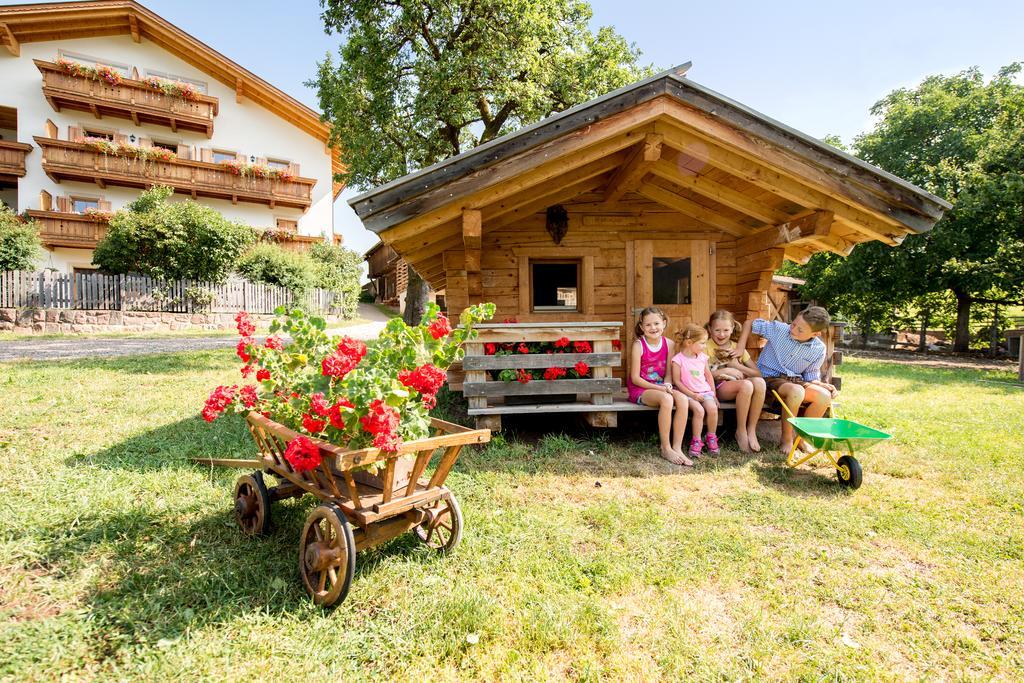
column 922, row 340
column 962, row 340
column 415, row 298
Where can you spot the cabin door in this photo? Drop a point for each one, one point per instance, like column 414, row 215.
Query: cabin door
column 676, row 276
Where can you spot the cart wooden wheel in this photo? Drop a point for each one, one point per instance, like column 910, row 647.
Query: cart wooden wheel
column 849, row 472
column 442, row 527
column 252, row 504
column 327, row 555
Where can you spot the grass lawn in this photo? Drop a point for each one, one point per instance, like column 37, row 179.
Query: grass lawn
column 585, row 556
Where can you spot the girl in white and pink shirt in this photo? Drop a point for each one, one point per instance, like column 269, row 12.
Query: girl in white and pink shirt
column 691, row 375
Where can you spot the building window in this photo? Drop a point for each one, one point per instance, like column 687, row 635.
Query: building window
column 671, row 280
column 201, row 86
column 554, row 285
column 105, row 135
column 169, row 146
column 123, row 69
column 81, row 204
column 279, row 164
column 220, row 156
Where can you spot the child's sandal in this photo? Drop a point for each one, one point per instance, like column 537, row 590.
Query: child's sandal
column 713, row 448
column 696, row 446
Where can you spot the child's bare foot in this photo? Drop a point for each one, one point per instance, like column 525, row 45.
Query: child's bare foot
column 676, row 457
column 806, row 447
column 786, row 447
column 742, row 440
column 752, row 441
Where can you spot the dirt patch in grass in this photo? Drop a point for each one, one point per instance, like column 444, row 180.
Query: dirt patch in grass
column 933, row 360
column 23, row 597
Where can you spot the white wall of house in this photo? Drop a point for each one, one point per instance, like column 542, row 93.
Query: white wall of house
column 239, row 127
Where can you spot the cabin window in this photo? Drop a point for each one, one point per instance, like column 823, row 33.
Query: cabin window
column 123, row 69
column 220, row 156
column 103, row 134
column 555, row 285
column 169, row 146
column 82, row 204
column 671, row 280
column 201, row 86
column 279, row 164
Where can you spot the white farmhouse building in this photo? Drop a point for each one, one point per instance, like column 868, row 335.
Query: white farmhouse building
column 103, row 98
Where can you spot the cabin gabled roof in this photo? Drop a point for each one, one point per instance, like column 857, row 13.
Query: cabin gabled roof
column 671, row 141
column 54, row 21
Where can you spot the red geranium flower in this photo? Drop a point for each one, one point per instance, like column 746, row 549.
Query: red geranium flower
column 262, row 375
column 352, row 348
column 334, row 413
column 561, row 342
column 220, row 398
column 241, row 350
column 510, row 320
column 248, row 396
column 247, row 370
column 338, row 365
column 318, row 402
column 523, row 376
column 312, row 425
column 382, row 421
column 440, row 328
column 274, row 342
column 490, row 349
column 616, row 344
column 302, row 454
column 554, row 373
column 523, row 348
column 426, row 379
column 582, row 347
column 581, row 368
column 245, row 326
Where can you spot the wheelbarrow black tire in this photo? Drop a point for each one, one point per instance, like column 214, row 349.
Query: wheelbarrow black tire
column 252, row 504
column 327, row 555
column 442, row 530
column 856, row 474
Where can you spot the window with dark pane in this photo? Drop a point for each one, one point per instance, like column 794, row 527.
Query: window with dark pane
column 555, row 285
column 671, row 280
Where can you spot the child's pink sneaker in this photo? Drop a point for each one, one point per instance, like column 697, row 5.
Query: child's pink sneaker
column 696, row 446
column 713, row 444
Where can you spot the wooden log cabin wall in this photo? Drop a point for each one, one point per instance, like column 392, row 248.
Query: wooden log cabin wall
column 674, row 195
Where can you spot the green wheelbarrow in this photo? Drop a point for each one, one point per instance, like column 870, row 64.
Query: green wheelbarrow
column 833, row 437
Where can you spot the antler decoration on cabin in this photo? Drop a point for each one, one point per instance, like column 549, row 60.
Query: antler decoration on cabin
column 557, row 222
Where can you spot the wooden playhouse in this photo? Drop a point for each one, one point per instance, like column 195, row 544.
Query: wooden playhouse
column 663, row 192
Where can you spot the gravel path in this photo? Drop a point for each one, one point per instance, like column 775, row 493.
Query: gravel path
column 72, row 348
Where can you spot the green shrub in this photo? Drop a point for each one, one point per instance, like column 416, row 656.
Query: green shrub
column 19, row 241
column 339, row 270
column 273, row 265
column 172, row 241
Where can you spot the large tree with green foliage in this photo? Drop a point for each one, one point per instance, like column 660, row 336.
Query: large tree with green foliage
column 172, row 240
column 960, row 138
column 339, row 270
column 19, row 241
column 418, row 81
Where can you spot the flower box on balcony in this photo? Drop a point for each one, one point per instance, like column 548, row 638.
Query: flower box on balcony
column 132, row 99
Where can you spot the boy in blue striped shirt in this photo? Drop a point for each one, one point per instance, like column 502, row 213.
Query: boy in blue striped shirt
column 791, row 363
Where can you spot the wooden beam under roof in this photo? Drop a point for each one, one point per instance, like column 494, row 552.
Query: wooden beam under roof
column 10, row 42
column 691, row 208
column 133, row 22
column 636, row 167
column 766, row 178
column 556, row 196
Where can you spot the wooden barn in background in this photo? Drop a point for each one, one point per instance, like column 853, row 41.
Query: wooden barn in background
column 663, row 192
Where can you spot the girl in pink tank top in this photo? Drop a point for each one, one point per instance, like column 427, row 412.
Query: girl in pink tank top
column 649, row 385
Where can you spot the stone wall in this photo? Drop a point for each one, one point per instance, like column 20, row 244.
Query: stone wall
column 57, row 321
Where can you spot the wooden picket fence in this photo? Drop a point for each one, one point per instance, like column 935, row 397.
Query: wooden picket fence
column 95, row 291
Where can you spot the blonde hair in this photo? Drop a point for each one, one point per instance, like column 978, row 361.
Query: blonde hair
column 646, row 312
column 722, row 314
column 816, row 317
column 691, row 332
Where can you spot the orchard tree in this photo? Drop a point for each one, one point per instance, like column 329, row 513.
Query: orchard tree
column 418, row 81
column 170, row 241
column 961, row 139
column 20, row 247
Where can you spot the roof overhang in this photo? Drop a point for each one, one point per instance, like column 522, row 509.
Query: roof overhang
column 51, row 21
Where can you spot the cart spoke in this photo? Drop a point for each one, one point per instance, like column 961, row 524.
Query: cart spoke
column 318, row 531
column 322, row 583
column 333, row 574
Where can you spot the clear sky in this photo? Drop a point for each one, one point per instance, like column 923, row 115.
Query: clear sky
column 815, row 66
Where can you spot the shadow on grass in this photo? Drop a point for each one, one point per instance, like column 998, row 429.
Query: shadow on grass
column 800, row 482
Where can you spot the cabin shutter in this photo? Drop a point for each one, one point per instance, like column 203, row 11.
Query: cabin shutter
column 293, row 168
column 120, row 139
column 103, row 205
column 288, row 224
column 145, row 142
column 76, row 134
column 206, row 154
column 241, row 158
column 64, row 203
column 262, row 161
column 45, row 201
column 184, row 151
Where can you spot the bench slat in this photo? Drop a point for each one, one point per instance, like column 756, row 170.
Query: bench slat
column 539, row 360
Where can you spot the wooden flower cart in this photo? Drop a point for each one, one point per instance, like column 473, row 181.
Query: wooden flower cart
column 358, row 510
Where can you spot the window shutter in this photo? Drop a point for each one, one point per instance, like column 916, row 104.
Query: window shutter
column 75, row 134
column 184, row 152
column 64, row 203
column 293, row 168
column 239, row 157
column 145, row 142
column 45, row 201
column 103, row 205
column 120, row 139
column 288, row 224
column 262, row 161
column 206, row 154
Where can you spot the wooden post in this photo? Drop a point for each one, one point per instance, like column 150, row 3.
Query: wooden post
column 602, row 419
column 492, row 422
column 1020, row 353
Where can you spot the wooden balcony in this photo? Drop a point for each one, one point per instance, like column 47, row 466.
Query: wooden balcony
column 130, row 99
column 12, row 160
column 62, row 229
column 63, row 160
column 299, row 243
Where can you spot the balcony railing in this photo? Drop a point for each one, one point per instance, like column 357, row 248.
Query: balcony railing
column 63, row 160
column 62, row 229
column 130, row 99
column 12, row 158
column 299, row 243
